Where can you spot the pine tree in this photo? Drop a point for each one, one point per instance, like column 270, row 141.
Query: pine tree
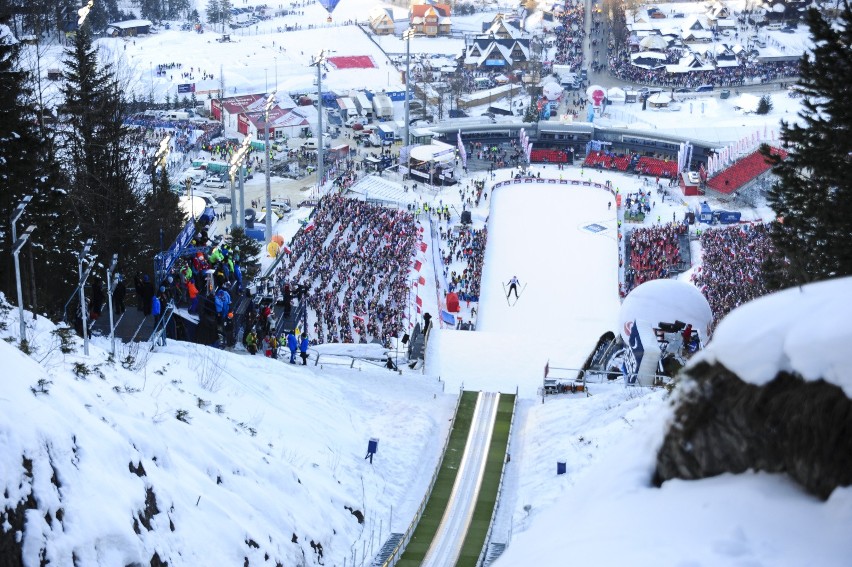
column 214, row 13
column 248, row 249
column 161, row 204
column 96, row 152
column 48, row 267
column 764, row 106
column 813, row 196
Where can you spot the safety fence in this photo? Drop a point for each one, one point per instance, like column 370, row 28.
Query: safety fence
column 397, row 552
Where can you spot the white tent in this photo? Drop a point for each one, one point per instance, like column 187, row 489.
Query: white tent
column 436, row 151
column 653, row 43
column 616, row 94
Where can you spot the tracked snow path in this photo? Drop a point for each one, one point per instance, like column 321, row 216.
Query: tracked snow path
column 448, row 540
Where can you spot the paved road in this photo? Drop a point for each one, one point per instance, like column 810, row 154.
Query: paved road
column 449, row 538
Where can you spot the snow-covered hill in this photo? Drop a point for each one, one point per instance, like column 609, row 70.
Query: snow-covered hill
column 202, row 457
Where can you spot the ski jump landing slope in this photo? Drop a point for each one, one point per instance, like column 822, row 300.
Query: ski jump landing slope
column 561, row 242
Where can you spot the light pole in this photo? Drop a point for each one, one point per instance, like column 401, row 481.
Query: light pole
column 16, row 249
column 318, row 62
column 160, row 160
column 269, row 102
column 237, row 167
column 83, row 277
column 407, row 35
column 110, row 289
column 16, row 214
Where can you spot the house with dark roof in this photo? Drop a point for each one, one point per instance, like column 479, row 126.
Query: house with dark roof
column 494, row 53
column 129, row 28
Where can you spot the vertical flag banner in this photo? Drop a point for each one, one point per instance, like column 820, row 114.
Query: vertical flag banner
column 462, row 151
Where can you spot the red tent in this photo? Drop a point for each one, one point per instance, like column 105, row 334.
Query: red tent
column 453, row 302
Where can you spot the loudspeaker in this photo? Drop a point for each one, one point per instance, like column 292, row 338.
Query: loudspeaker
column 465, row 217
column 405, row 339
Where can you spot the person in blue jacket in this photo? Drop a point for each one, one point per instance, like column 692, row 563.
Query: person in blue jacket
column 223, row 304
column 292, row 344
column 303, row 348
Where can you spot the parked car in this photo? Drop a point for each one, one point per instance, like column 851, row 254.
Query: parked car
column 353, row 120
column 223, row 200
column 216, row 181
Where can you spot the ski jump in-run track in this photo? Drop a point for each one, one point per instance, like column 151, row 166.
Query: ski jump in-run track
column 452, row 530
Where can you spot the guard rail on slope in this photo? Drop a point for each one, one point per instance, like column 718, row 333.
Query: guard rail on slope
column 482, row 555
column 400, row 548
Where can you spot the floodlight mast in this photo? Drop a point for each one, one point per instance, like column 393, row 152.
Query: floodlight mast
column 270, row 101
column 407, row 35
column 236, row 167
column 318, row 62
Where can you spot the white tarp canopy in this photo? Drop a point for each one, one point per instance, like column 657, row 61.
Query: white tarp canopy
column 436, row 151
column 616, row 94
column 653, row 42
column 659, row 98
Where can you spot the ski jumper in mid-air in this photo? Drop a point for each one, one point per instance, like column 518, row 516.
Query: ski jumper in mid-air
column 513, row 286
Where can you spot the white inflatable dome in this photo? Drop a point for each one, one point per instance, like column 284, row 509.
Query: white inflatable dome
column 667, row 301
column 552, row 91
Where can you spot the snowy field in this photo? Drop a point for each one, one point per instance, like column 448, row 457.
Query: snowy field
column 240, row 449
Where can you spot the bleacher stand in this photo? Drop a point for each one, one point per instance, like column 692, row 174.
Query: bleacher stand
column 742, row 172
column 607, row 161
column 548, row 156
column 656, row 167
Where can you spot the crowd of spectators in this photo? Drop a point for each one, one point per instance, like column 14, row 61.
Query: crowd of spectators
column 186, row 136
column 654, row 251
column 462, row 252
column 570, row 36
column 621, row 66
column 353, row 261
column 731, row 272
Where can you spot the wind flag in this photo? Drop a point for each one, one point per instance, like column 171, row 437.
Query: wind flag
column 462, row 151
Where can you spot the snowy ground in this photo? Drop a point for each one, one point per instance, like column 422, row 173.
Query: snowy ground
column 288, row 445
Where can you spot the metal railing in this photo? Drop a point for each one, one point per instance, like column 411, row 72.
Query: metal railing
column 500, row 484
column 400, row 548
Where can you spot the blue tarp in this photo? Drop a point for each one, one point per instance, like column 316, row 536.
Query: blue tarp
column 448, row 318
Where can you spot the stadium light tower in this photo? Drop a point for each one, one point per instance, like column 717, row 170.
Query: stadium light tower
column 319, row 61
column 407, row 35
column 236, row 166
column 13, row 220
column 270, row 100
column 81, row 257
column 161, row 159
